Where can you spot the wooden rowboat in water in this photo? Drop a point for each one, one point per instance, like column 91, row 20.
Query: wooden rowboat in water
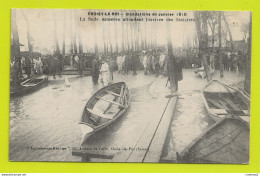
column 29, row 85
column 227, row 141
column 103, row 108
column 221, row 100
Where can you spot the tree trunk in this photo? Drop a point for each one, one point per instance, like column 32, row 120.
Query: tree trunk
column 16, row 45
column 115, row 35
column 220, row 46
column 229, row 33
column 109, row 37
column 103, row 35
column 57, row 48
column 79, row 35
column 122, row 35
column 96, row 45
column 29, row 38
column 202, row 32
column 71, row 32
column 75, row 35
column 247, row 83
column 63, row 42
column 171, row 68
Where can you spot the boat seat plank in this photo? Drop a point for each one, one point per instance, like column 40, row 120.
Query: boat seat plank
column 245, row 118
column 232, row 104
column 112, row 93
column 110, row 101
column 100, row 114
column 246, row 112
column 223, row 103
column 219, row 111
column 29, row 84
column 217, row 104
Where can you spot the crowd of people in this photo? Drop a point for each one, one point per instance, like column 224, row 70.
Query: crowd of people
column 127, row 62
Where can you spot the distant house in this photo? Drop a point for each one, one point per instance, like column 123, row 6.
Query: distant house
column 239, row 45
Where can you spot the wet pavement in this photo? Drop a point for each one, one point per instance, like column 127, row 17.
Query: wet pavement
column 44, row 124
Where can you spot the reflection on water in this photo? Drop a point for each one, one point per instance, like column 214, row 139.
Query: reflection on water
column 189, row 121
column 44, row 124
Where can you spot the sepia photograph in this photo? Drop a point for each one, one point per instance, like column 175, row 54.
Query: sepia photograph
column 130, row 86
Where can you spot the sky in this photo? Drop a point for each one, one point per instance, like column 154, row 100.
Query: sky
column 42, row 24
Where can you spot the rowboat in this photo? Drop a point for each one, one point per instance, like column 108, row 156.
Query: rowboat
column 103, row 108
column 29, row 85
column 221, row 99
column 227, row 141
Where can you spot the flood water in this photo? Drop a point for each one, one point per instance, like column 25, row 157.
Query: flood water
column 44, row 124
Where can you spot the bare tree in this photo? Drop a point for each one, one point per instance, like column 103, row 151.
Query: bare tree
column 104, row 38
column 212, row 21
column 229, row 32
column 202, row 33
column 75, row 35
column 16, row 44
column 247, row 83
column 245, row 30
column 57, row 48
column 122, row 33
column 115, row 35
column 29, row 38
column 63, row 42
column 78, row 31
column 171, row 72
column 71, row 32
column 220, row 45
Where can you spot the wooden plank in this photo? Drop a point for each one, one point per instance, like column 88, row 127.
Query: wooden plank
column 144, row 141
column 246, row 112
column 232, row 104
column 100, row 114
column 110, row 101
column 29, row 85
column 219, row 111
column 245, row 118
column 215, row 103
column 153, row 155
column 28, row 80
column 67, row 83
column 112, row 93
column 223, row 103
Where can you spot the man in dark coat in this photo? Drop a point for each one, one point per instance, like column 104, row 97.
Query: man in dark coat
column 178, row 72
column 16, row 73
column 81, row 64
column 95, row 71
column 128, row 61
column 27, row 67
column 134, row 62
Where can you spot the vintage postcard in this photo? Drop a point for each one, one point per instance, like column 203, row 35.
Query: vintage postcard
column 137, row 86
